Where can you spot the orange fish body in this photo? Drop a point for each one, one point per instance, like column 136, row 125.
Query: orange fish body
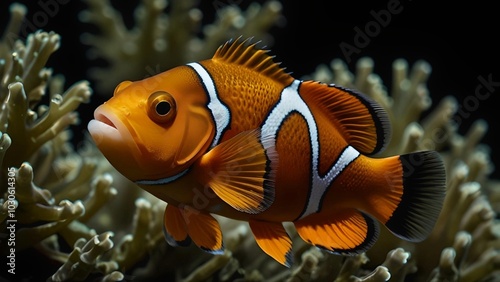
column 237, row 136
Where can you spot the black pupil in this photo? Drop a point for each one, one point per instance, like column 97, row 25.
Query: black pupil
column 163, row 107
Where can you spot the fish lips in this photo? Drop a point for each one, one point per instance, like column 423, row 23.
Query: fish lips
column 115, row 141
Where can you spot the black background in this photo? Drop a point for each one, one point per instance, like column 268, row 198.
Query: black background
column 459, row 41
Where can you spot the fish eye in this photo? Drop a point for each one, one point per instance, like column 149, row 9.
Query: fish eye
column 161, row 107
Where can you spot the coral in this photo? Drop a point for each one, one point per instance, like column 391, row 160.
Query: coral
column 84, row 221
column 161, row 41
column 35, row 133
column 84, row 258
column 52, row 190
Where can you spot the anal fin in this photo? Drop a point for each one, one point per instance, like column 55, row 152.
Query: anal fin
column 273, row 240
column 350, row 232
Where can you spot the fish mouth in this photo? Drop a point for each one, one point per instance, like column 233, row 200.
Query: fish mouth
column 111, row 134
column 103, row 128
column 104, row 119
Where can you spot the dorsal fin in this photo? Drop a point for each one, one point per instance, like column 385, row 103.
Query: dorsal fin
column 361, row 121
column 245, row 53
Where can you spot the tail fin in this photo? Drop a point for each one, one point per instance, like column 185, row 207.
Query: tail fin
column 424, row 186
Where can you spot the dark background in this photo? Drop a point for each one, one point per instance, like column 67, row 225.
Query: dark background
column 459, row 41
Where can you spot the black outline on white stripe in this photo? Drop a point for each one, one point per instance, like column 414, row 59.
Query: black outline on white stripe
column 345, row 163
column 161, row 181
column 220, row 112
column 379, row 115
column 290, row 101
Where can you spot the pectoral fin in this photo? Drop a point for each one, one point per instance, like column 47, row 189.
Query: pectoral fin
column 241, row 171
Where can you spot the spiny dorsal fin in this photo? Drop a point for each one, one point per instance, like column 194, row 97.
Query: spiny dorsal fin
column 245, row 53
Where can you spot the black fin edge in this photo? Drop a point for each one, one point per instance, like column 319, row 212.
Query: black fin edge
column 371, row 237
column 213, row 252
column 380, row 118
column 424, row 189
column 289, row 259
column 172, row 242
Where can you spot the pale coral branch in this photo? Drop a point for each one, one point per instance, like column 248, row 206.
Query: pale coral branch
column 10, row 34
column 5, row 142
column 206, row 270
column 79, row 179
column 101, row 193
column 27, row 237
column 62, row 105
column 132, row 246
column 350, row 266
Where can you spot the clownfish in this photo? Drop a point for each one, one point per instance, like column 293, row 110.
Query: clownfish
column 237, row 136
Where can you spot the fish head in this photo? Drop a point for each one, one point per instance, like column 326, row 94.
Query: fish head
column 156, row 127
